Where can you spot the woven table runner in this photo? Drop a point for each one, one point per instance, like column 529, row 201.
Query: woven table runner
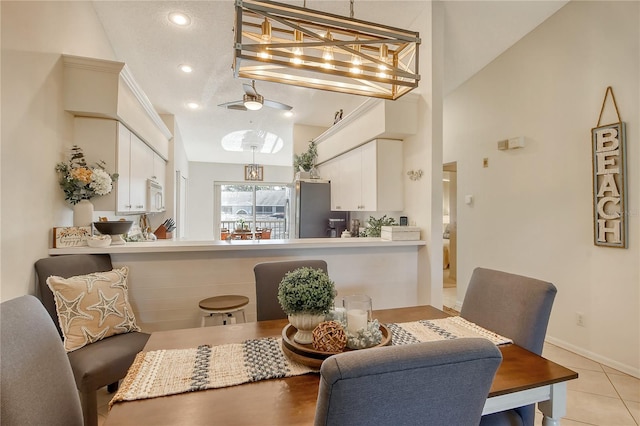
column 174, row 371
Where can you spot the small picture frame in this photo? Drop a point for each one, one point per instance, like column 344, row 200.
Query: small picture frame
column 71, row 236
column 403, row 221
column 249, row 176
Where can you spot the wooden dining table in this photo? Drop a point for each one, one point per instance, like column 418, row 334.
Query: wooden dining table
column 523, row 378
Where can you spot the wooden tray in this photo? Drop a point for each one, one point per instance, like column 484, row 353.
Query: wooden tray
column 306, row 355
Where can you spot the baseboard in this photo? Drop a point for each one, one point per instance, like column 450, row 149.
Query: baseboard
column 632, row 371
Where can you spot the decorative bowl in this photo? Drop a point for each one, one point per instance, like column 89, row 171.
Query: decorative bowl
column 99, row 241
column 113, row 227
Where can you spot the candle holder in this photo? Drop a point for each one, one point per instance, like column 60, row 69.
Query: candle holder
column 358, row 312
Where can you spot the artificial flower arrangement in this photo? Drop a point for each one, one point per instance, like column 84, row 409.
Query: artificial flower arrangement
column 82, row 182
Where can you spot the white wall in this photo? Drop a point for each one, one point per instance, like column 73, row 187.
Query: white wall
column 423, row 198
column 203, row 177
column 303, row 134
column 532, row 208
column 36, row 131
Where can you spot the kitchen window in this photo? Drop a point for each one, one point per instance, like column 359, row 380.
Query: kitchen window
column 237, row 202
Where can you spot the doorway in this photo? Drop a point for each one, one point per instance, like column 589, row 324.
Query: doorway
column 449, row 234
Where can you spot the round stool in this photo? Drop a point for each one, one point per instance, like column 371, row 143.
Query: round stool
column 225, row 306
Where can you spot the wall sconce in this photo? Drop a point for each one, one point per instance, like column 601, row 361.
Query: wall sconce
column 415, row 174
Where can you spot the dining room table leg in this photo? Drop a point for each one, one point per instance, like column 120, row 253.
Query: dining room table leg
column 556, row 406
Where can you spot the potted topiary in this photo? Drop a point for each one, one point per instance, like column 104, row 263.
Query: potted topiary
column 304, row 164
column 306, row 295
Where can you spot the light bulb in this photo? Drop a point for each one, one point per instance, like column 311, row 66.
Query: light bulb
column 265, row 38
column 298, row 37
column 327, row 51
column 355, row 59
column 384, row 53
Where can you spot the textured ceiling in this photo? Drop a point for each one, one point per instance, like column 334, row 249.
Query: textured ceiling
column 476, row 32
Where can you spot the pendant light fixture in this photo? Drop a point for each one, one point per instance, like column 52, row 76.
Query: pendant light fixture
column 253, row 171
column 304, row 47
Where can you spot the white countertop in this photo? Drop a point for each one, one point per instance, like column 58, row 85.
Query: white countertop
column 164, row 246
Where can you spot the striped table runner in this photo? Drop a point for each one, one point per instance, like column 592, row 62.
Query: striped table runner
column 174, row 371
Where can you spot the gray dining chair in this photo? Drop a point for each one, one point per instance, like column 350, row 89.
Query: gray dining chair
column 437, row 383
column 37, row 383
column 268, row 276
column 514, row 306
column 99, row 364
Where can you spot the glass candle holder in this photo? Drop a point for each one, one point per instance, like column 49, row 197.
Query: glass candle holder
column 358, row 311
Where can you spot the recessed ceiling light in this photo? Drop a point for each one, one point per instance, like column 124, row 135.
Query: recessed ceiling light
column 288, row 113
column 179, row 19
column 186, row 68
column 193, row 105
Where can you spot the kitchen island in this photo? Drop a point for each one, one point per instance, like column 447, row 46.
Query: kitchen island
column 167, row 278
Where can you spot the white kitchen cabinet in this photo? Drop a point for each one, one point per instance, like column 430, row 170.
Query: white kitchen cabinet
column 125, row 153
column 331, row 171
column 123, row 147
column 159, row 170
column 367, row 178
column 141, row 169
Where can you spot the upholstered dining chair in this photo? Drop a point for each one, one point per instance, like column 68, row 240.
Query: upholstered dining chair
column 37, row 383
column 98, row 364
column 437, row 383
column 268, row 276
column 514, row 306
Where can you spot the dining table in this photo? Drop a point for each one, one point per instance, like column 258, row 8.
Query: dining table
column 523, row 378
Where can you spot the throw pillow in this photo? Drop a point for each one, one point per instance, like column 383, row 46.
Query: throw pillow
column 92, row 307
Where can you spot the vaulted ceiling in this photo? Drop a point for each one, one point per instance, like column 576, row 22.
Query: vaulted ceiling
column 476, row 32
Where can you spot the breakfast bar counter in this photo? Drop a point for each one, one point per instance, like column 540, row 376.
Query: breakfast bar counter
column 167, row 278
column 161, row 246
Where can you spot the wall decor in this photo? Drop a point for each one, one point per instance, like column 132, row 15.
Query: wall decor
column 71, row 236
column 609, row 181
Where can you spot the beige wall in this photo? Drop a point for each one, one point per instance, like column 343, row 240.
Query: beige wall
column 532, row 208
column 36, row 131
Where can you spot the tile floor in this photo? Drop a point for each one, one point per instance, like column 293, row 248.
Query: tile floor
column 600, row 396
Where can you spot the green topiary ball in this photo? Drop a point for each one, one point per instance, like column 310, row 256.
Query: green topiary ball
column 306, row 290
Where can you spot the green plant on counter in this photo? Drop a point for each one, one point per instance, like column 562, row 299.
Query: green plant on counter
column 305, row 161
column 306, row 290
column 374, row 226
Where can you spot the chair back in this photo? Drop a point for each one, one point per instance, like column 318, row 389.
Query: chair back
column 438, row 383
column 268, row 276
column 66, row 267
column 515, row 306
column 37, row 383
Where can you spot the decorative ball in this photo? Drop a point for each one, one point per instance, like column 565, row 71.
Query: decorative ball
column 329, row 336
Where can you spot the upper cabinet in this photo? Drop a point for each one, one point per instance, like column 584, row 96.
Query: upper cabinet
column 367, row 178
column 114, row 121
column 122, row 150
column 374, row 119
column 106, row 89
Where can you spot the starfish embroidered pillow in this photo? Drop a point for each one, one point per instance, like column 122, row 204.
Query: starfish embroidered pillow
column 92, row 307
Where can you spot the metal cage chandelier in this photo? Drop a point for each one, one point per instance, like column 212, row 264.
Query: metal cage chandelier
column 303, row 47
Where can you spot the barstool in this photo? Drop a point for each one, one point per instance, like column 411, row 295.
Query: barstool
column 223, row 305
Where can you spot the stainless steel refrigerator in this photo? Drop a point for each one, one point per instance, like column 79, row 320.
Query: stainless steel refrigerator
column 311, row 209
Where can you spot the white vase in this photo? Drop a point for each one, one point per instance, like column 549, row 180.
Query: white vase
column 305, row 323
column 83, row 213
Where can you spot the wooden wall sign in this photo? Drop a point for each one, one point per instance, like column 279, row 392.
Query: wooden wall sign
column 609, row 181
column 72, row 236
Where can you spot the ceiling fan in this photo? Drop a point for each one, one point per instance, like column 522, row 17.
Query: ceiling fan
column 253, row 101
